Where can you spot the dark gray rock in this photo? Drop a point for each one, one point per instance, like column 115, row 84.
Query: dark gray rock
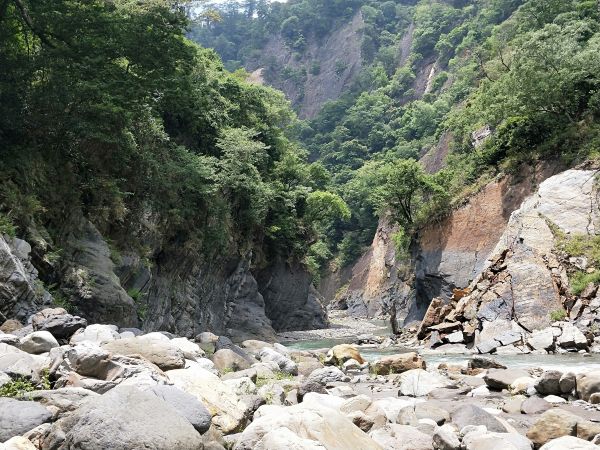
column 481, row 362
column 473, row 415
column 186, row 405
column 549, row 383
column 567, row 382
column 122, row 419
column 57, row 321
column 499, row 379
column 18, row 417
column 318, row 380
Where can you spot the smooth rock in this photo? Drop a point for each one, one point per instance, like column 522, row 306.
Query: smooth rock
column 229, row 413
column 542, row 339
column 284, row 438
column 38, row 342
column 445, row 439
column 401, row 437
column 286, row 365
column 96, row 333
column 469, row 414
column 163, row 354
column 502, row 378
column 186, row 405
column 18, row 443
column 228, row 360
column 419, row 382
column 549, row 383
column 124, row 418
column 62, row 400
column 553, row 424
column 587, row 383
column 339, row 354
column 499, row 441
column 535, row 405
column 18, row 417
column 190, row 349
column 569, row 443
column 397, row 364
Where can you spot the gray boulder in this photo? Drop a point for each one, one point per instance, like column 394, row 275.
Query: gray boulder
column 57, row 321
column 569, row 443
column 122, row 419
column 61, row 401
column 227, row 360
column 38, row 342
column 164, row 354
column 502, row 378
column 96, row 333
column 481, row 362
column 549, row 383
column 17, row 363
column 186, row 405
column 18, row 417
column 465, row 415
column 567, row 382
column 286, row 365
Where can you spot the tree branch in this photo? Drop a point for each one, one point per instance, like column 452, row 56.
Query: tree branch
column 25, row 15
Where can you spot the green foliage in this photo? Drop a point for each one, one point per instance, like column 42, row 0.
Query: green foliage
column 558, row 315
column 7, row 227
column 60, row 300
column 578, row 281
column 17, row 388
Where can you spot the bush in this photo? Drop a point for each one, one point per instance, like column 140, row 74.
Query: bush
column 7, row 227
column 580, row 280
column 558, row 315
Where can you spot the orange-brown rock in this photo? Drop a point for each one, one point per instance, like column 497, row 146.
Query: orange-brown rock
column 397, row 363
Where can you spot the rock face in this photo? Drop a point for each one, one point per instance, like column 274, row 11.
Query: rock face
column 124, row 418
column 20, row 296
column 342, row 44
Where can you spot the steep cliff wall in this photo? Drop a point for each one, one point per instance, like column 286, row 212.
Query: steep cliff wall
column 337, row 58
column 445, row 255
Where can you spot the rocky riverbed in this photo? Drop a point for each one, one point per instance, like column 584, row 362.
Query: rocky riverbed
column 66, row 384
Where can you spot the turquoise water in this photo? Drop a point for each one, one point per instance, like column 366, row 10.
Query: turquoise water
column 572, row 361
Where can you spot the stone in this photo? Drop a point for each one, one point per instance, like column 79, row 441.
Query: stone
column 96, row 333
column 401, row 437
column 361, row 420
column 320, row 378
column 339, row 354
column 568, row 443
column 163, row 354
column 487, row 346
column 567, row 383
column 427, row 410
column 286, row 365
column 57, row 321
column 18, row 364
column 445, row 439
column 273, row 393
column 549, row 383
column 419, row 382
column 228, row 360
column 469, row 414
column 509, row 337
column 571, row 337
column 489, row 441
column 124, row 418
column 389, row 408
column 186, row 405
column 554, row 399
column 502, row 378
column 521, row 385
column 227, row 411
column 587, row 429
column 542, row 339
column 9, row 339
column 191, row 350
column 397, row 363
column 324, row 425
column 351, row 365
column 61, row 401
column 284, row 438
column 481, row 391
column 535, row 405
column 553, row 424
column 587, row 383
column 456, row 337
column 513, row 405
column 241, row 386
column 88, row 360
column 10, row 325
column 18, row 417
column 482, row 362
column 512, row 350
column 18, row 443
column 358, row 403
column 38, row 342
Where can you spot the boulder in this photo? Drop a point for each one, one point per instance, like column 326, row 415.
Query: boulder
column 61, row 401
column 522, row 385
column 17, row 363
column 481, row 362
column 18, row 443
column 487, row 346
column 228, row 412
column 588, row 383
column 401, row 437
column 10, row 325
column 319, row 379
column 96, row 333
column 513, row 404
column 57, row 321
column 571, row 337
column 186, row 405
column 18, row 417
column 469, row 414
column 568, row 443
column 502, row 378
column 284, row 438
column 455, row 338
column 549, row 383
column 535, row 405
column 543, row 339
column 567, row 382
column 191, row 350
column 389, row 409
column 339, row 354
column 123, row 419
column 398, row 363
column 419, row 382
column 316, row 423
column 488, row 441
column 241, row 386
column 553, row 424
column 286, row 365
column 227, row 360
column 38, row 342
column 164, row 354
column 254, row 346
